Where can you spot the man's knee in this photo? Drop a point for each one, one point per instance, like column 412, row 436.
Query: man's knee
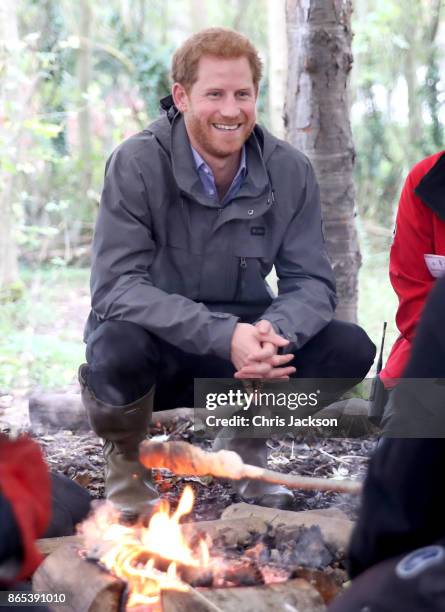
column 362, row 350
column 122, row 361
column 346, row 349
column 120, row 346
column 358, row 349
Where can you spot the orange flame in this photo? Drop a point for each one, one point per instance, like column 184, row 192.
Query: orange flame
column 134, row 552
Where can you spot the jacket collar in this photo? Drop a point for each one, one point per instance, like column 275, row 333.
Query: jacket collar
column 170, row 130
column 431, row 188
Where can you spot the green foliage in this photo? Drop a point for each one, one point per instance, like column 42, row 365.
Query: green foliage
column 11, row 293
column 397, row 96
column 40, row 332
column 57, row 162
column 377, row 299
column 148, row 64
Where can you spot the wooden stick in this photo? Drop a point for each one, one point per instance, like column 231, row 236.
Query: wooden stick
column 294, row 481
column 184, row 459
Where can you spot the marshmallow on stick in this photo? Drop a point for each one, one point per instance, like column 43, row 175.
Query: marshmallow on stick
column 187, row 460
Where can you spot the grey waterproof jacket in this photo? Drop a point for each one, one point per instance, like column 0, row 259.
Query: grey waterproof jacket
column 170, row 259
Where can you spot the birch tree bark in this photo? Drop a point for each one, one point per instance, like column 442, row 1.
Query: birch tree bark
column 317, row 120
column 276, row 35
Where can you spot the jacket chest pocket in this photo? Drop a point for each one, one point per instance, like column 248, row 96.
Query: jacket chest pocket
column 250, row 240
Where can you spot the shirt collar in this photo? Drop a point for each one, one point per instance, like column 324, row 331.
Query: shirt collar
column 201, row 164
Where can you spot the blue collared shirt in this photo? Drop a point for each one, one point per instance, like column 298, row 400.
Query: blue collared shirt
column 208, row 180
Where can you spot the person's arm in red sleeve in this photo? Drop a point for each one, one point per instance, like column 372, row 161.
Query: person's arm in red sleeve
column 408, row 272
column 25, row 484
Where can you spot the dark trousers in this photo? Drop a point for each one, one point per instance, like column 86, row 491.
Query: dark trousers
column 125, row 360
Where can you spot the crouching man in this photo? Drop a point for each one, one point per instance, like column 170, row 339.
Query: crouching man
column 195, row 212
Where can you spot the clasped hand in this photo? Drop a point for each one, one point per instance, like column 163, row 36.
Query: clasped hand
column 254, row 352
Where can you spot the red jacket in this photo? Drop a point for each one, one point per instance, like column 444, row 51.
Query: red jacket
column 24, row 482
column 420, row 230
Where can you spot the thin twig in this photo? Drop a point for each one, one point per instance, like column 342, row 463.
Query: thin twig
column 339, row 459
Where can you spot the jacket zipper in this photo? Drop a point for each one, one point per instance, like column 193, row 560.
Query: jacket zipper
column 240, row 279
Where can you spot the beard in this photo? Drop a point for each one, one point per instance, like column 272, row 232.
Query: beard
column 216, row 143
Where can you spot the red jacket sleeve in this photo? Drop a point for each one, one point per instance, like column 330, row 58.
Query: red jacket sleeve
column 408, row 272
column 25, row 483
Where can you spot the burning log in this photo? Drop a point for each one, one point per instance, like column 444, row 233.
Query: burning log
column 240, row 520
column 295, row 594
column 184, row 459
column 87, row 587
column 47, row 546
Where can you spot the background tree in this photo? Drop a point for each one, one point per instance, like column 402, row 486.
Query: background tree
column 317, row 119
column 277, row 49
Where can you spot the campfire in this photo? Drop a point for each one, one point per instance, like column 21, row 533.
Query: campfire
column 158, row 557
column 163, row 556
column 149, row 559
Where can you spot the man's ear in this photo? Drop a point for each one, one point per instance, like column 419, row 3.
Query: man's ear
column 180, row 97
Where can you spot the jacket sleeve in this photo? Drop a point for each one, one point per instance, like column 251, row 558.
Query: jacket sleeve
column 408, row 272
column 306, row 285
column 123, row 252
column 25, row 506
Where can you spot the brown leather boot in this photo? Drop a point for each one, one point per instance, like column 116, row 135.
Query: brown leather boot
column 128, row 485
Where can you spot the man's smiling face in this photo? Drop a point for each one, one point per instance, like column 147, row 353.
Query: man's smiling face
column 220, row 108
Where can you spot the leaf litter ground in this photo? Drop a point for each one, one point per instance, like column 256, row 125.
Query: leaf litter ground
column 79, row 456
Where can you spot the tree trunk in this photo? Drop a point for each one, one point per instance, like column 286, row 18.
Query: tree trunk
column 9, row 97
column 276, row 34
column 317, row 120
